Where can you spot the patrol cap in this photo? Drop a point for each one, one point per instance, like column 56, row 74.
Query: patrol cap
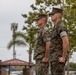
column 39, row 16
column 56, row 10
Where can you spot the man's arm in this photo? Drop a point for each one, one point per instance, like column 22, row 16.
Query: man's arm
column 46, row 39
column 47, row 52
column 47, row 49
column 65, row 48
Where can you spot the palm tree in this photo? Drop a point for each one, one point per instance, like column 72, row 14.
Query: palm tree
column 24, row 39
column 17, row 41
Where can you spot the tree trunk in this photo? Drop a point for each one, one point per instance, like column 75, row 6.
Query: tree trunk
column 30, row 58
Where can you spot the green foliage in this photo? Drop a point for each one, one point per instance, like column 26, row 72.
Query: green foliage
column 72, row 66
column 31, row 31
column 19, row 68
column 48, row 2
column 33, row 7
column 24, row 15
column 70, row 21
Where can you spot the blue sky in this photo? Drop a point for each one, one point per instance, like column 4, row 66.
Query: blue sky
column 10, row 11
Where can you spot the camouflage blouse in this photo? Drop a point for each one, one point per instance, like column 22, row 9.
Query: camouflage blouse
column 43, row 36
column 56, row 41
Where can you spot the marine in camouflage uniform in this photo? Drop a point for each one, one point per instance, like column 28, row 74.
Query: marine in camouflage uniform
column 56, row 52
column 43, row 36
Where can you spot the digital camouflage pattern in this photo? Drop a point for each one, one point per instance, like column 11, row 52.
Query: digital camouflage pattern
column 43, row 36
column 56, row 41
column 57, row 68
column 42, row 68
column 56, row 50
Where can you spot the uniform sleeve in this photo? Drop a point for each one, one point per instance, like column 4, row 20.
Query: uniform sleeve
column 63, row 31
column 46, row 36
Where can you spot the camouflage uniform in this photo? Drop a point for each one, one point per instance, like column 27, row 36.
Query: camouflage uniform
column 43, row 36
column 57, row 49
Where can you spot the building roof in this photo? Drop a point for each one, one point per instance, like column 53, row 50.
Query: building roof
column 16, row 62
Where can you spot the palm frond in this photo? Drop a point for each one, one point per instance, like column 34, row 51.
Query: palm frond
column 16, row 42
column 20, row 35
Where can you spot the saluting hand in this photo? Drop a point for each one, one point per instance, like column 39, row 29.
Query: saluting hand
column 45, row 59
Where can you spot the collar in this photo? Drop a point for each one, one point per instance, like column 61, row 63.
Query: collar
column 57, row 24
column 43, row 28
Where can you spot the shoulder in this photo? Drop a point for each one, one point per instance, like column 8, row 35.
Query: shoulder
column 62, row 27
column 62, row 30
column 46, row 30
